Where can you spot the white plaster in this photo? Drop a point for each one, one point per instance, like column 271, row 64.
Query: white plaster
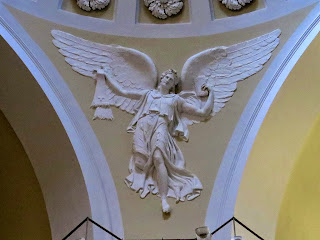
column 235, row 4
column 131, row 69
column 237, row 238
column 126, row 15
column 89, row 5
column 127, row 78
column 222, row 67
column 223, row 198
column 101, row 190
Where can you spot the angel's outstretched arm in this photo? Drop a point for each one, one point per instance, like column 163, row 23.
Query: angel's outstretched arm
column 118, row 89
column 201, row 112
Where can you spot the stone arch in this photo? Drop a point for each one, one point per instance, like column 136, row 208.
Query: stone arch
column 48, row 121
column 224, row 195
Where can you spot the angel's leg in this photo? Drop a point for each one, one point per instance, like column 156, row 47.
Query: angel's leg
column 162, row 178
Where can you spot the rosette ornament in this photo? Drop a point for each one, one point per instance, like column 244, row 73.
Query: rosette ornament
column 235, row 4
column 164, row 8
column 89, row 5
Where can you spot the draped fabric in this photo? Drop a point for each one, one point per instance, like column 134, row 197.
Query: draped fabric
column 155, row 125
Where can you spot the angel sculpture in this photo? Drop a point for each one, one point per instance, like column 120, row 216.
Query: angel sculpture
column 127, row 78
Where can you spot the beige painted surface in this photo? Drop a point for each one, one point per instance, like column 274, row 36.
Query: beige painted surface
column 208, row 141
column 277, row 146
column 106, row 13
column 23, row 212
column 45, row 141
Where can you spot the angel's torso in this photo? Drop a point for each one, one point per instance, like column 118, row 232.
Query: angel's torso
column 153, row 105
column 162, row 105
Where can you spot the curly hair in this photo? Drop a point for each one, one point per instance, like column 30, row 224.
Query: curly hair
column 173, row 72
column 175, row 79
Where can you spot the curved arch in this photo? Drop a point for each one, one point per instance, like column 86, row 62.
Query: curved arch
column 223, row 198
column 202, row 20
column 99, row 184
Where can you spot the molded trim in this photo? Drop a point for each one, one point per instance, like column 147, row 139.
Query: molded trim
column 201, row 23
column 224, row 195
column 101, row 190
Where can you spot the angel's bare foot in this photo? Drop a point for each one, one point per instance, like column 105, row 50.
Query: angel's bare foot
column 165, row 206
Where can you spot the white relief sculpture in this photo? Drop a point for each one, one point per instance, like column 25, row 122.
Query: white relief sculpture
column 235, row 4
column 127, row 78
column 89, row 5
column 164, row 8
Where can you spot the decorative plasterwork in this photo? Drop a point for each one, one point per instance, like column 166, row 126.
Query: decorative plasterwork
column 89, row 5
column 235, row 4
column 164, row 8
column 127, row 78
column 126, row 14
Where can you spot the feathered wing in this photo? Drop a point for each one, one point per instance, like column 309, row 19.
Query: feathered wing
column 130, row 68
column 223, row 67
column 191, row 98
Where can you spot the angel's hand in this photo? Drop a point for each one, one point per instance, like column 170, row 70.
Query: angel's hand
column 98, row 70
column 102, row 70
column 208, row 88
column 205, row 90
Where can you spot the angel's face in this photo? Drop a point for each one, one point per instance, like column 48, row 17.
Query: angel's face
column 167, row 81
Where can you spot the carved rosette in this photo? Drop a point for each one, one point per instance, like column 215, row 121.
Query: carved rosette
column 164, row 8
column 235, row 4
column 89, row 5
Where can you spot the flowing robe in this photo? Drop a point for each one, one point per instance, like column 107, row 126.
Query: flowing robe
column 156, row 124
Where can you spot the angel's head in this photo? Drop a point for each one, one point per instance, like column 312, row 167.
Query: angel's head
column 168, row 80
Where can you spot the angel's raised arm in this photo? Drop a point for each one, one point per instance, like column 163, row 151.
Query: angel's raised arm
column 222, row 67
column 128, row 72
column 133, row 94
column 199, row 111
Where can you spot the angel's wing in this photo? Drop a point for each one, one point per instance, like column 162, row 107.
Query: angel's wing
column 191, row 98
column 132, row 70
column 223, row 67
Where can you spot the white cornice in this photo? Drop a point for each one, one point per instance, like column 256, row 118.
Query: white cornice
column 202, row 21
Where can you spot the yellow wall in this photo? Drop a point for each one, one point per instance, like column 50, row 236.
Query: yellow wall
column 23, row 212
column 46, row 142
column 278, row 145
column 300, row 209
